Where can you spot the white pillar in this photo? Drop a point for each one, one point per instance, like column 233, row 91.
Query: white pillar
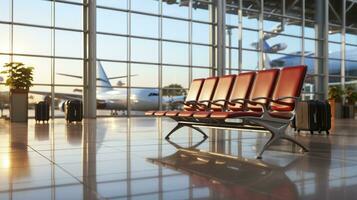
column 90, row 62
column 322, row 48
column 221, row 36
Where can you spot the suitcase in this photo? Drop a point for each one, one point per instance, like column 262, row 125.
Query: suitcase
column 324, row 116
column 42, row 111
column 73, row 111
column 312, row 116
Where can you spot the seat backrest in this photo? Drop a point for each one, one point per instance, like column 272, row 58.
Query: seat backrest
column 223, row 90
column 194, row 91
column 263, row 86
column 241, row 89
column 289, row 84
column 207, row 90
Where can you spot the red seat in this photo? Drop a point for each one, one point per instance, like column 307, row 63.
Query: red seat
column 192, row 95
column 224, row 115
column 240, row 89
column 202, row 114
column 160, row 113
column 207, row 91
column 222, row 92
column 186, row 113
column 150, row 112
column 289, row 84
column 262, row 87
column 172, row 113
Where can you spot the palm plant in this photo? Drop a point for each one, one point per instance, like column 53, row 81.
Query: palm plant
column 19, row 77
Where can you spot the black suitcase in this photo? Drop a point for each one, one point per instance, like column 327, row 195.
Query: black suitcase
column 312, row 116
column 42, row 111
column 324, row 116
column 73, row 111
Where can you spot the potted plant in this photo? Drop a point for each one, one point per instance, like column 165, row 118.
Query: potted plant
column 351, row 98
column 335, row 99
column 19, row 79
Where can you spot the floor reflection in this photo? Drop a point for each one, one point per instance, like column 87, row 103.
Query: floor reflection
column 230, row 177
column 127, row 158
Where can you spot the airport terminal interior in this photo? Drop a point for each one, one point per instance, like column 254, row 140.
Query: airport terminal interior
column 91, row 91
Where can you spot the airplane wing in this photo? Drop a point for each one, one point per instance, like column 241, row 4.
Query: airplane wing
column 69, row 75
column 65, row 96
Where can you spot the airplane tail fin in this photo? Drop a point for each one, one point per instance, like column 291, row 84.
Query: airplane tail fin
column 266, row 48
column 103, row 83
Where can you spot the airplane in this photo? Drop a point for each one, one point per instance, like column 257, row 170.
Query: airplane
column 294, row 58
column 108, row 97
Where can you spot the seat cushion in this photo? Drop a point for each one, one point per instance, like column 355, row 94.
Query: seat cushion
column 172, row 113
column 281, row 115
column 202, row 114
column 149, row 113
column 160, row 113
column 281, row 108
column 223, row 115
column 186, row 113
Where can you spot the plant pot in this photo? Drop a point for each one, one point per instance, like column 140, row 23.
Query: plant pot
column 18, row 105
column 336, row 109
column 333, row 107
column 351, row 109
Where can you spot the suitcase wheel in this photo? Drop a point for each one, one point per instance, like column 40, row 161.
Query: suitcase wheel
column 298, row 131
column 311, row 132
column 327, row 132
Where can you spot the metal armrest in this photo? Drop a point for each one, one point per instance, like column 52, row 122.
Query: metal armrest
column 201, row 103
column 262, row 98
column 263, row 105
column 238, row 101
column 215, row 102
column 281, row 102
column 288, row 97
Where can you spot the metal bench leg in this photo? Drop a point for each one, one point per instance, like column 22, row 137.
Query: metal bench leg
column 272, row 139
column 278, row 131
column 199, row 130
column 291, row 139
column 177, row 127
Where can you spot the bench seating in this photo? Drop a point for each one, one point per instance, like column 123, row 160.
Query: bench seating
column 263, row 100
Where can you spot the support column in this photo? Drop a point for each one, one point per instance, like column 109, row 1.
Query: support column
column 212, row 38
column 322, row 48
column 90, row 60
column 343, row 46
column 221, row 36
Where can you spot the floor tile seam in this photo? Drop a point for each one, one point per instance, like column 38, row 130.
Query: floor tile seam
column 40, row 187
column 155, row 192
column 136, row 178
column 135, row 171
column 68, row 173
column 332, row 159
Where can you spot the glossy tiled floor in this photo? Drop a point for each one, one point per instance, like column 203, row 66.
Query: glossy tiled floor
column 128, row 159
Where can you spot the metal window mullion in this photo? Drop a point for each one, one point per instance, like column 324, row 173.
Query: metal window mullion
column 303, row 33
column 53, row 62
column 240, row 36
column 12, row 30
column 190, row 47
column 129, row 58
column 212, row 38
column 261, row 36
column 343, row 45
column 160, row 55
column 221, row 43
